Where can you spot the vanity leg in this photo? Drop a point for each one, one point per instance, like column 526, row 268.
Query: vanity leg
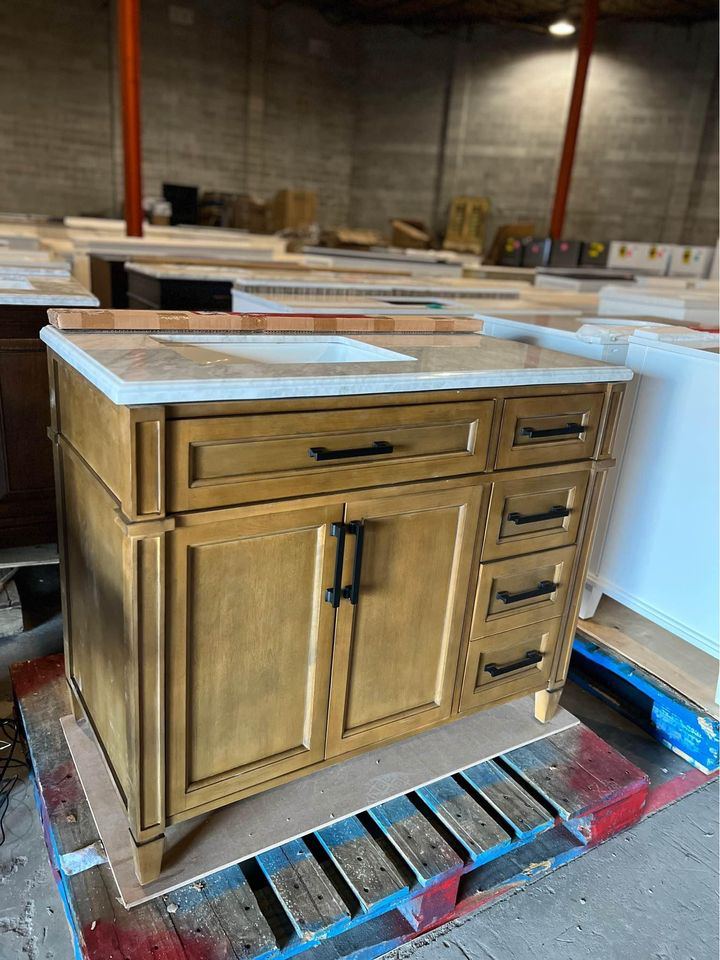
column 77, row 709
column 147, row 858
column 546, row 704
column 591, row 597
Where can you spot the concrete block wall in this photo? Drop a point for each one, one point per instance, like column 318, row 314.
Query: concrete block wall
column 55, row 124
column 380, row 121
column 398, row 126
column 235, row 98
column 646, row 163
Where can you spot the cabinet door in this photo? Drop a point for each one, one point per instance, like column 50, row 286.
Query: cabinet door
column 396, row 649
column 250, row 641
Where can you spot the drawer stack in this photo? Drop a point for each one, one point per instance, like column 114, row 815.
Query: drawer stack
column 529, row 545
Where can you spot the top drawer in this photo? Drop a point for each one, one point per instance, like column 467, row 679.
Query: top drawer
column 222, row 460
column 537, row 430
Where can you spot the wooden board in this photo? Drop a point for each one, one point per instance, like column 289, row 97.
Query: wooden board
column 686, row 729
column 197, row 847
column 683, row 667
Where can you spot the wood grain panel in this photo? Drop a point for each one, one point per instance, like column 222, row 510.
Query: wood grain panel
column 396, row 650
column 510, row 530
column 250, row 638
column 480, row 687
column 550, row 413
column 514, row 577
column 233, row 459
column 94, row 585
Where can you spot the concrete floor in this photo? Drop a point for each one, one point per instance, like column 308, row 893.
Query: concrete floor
column 649, row 894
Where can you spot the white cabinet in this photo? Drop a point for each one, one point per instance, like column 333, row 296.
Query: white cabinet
column 656, row 548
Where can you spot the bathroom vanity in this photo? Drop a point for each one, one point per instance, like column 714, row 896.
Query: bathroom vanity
column 279, row 551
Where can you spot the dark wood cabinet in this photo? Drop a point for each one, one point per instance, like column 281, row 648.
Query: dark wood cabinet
column 27, row 493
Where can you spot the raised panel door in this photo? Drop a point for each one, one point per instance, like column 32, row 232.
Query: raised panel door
column 250, row 649
column 396, row 648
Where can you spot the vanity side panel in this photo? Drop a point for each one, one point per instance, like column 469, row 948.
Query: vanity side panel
column 93, row 577
column 124, row 446
column 95, row 427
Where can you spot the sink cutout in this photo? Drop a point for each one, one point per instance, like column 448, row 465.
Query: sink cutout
column 258, row 348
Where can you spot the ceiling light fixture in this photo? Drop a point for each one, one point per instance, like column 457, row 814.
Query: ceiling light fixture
column 562, row 28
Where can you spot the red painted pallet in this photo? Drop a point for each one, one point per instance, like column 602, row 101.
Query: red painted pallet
column 356, row 889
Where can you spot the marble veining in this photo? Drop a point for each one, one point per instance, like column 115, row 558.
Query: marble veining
column 21, row 289
column 133, row 368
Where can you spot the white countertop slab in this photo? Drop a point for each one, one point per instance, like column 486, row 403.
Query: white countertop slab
column 20, row 289
column 326, row 282
column 593, row 328
column 135, row 368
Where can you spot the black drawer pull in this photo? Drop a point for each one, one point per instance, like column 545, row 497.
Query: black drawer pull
column 333, row 593
column 568, row 430
column 552, row 514
column 543, row 588
column 531, row 657
column 357, row 529
column 322, row 453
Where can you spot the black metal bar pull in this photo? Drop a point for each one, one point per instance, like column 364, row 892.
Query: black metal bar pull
column 567, row 431
column 334, row 593
column 553, row 513
column 531, row 657
column 378, row 447
column 543, row 588
column 352, row 592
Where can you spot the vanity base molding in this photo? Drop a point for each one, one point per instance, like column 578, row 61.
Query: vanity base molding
column 255, row 590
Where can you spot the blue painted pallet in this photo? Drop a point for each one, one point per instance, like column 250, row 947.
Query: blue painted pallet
column 354, row 889
column 680, row 725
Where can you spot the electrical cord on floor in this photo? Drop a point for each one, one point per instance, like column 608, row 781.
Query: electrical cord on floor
column 9, row 739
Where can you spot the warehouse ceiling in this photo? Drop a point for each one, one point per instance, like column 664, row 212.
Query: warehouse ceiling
column 531, row 14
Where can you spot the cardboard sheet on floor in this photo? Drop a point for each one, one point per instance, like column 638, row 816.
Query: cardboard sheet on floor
column 210, row 842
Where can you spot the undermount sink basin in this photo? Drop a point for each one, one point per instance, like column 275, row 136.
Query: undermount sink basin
column 258, row 348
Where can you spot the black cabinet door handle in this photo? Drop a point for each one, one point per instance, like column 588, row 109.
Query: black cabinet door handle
column 333, row 593
column 552, row 514
column 531, row 657
column 352, row 592
column 378, row 447
column 568, row 430
column 543, row 588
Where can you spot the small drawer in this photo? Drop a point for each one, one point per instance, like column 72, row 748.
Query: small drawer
column 513, row 593
column 225, row 460
column 508, row 664
column 536, row 430
column 535, row 514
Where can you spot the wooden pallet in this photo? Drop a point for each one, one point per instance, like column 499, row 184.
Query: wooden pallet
column 682, row 726
column 357, row 888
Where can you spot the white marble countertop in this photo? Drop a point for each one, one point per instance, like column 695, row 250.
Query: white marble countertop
column 588, row 326
column 135, row 368
column 21, row 289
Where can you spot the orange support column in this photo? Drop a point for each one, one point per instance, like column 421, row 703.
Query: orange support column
column 129, row 61
column 586, row 41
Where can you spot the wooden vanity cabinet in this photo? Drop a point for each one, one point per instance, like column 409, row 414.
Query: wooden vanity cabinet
column 240, row 611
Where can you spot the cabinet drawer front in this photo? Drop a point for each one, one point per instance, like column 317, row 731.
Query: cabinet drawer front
column 534, row 514
column 513, row 593
column 508, row 664
column 228, row 460
column 538, row 430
